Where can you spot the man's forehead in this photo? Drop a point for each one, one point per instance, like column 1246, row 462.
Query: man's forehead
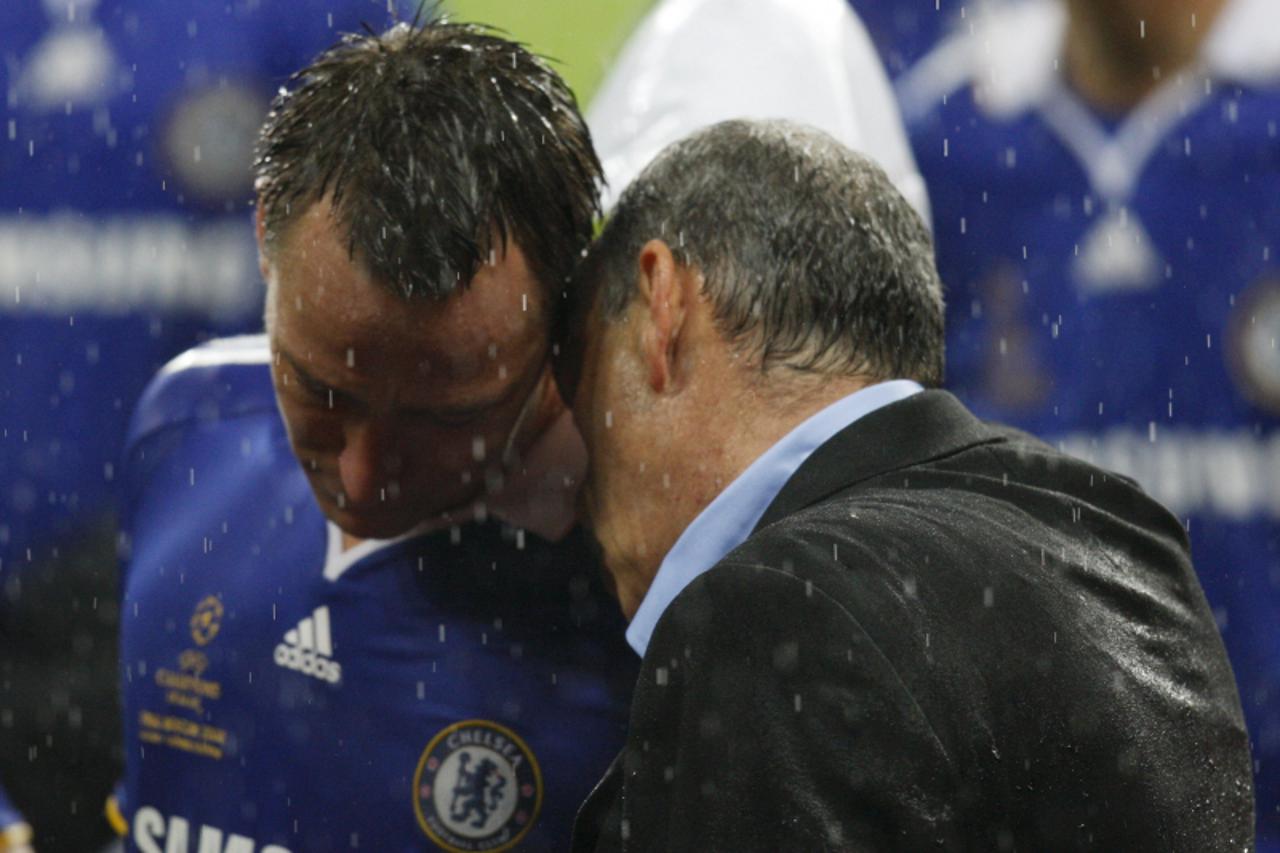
column 425, row 340
column 460, row 338
column 329, row 298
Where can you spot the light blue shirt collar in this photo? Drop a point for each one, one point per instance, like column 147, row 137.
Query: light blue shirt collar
column 729, row 519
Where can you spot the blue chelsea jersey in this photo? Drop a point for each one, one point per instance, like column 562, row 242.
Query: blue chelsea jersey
column 464, row 688
column 904, row 30
column 1113, row 286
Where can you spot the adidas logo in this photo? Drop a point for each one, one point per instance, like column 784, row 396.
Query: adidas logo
column 308, row 648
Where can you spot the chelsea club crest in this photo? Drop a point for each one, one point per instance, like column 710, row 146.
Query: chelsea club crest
column 477, row 788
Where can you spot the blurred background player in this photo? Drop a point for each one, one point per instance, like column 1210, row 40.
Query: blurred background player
column 125, row 238
column 374, row 622
column 692, row 63
column 1105, row 181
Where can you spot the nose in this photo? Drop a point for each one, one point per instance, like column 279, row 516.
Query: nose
column 369, row 462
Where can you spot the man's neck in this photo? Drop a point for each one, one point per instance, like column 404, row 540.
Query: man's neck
column 778, row 406
column 1116, row 53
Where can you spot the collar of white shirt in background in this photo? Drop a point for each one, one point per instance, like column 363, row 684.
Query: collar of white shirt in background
column 729, row 519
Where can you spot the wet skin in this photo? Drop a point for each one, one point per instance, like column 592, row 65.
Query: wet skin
column 400, row 410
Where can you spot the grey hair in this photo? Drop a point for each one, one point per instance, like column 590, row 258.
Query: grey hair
column 811, row 258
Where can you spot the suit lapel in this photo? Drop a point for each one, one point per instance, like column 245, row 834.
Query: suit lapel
column 598, row 811
column 925, row 426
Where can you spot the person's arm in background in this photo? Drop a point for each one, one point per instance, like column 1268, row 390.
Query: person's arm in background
column 696, row 62
column 15, row 832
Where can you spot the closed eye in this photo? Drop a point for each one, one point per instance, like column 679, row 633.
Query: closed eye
column 319, row 392
column 453, row 418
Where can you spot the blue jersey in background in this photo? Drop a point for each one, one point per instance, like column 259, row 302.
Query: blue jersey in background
column 903, row 31
column 1113, row 285
column 461, row 689
column 125, row 237
column 125, row 231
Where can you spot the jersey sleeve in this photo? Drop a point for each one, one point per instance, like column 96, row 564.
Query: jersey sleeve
column 693, row 63
column 224, row 378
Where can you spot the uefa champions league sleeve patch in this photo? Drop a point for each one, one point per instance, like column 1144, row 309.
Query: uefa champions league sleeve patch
column 477, row 789
column 206, row 621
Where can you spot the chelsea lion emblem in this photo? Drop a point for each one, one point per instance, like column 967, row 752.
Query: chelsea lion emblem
column 477, row 788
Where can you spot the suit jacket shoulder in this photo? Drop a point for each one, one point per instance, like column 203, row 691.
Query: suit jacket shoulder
column 942, row 634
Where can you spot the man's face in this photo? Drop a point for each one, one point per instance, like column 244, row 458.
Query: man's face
column 628, row 495
column 398, row 410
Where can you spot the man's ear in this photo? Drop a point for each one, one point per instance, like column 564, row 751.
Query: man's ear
column 665, row 299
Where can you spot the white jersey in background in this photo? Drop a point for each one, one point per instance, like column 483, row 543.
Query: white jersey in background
column 692, row 63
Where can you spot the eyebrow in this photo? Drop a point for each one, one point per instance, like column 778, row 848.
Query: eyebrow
column 466, row 410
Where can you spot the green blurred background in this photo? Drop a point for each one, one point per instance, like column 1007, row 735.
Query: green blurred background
column 584, row 36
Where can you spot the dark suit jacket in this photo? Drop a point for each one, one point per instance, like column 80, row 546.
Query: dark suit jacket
column 942, row 635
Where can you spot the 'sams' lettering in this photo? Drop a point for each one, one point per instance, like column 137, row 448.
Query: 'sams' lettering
column 153, row 834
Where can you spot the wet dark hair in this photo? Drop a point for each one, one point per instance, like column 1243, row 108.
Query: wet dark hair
column 810, row 256
column 437, row 144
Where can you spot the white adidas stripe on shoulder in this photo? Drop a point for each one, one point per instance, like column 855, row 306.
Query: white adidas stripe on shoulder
column 242, row 349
